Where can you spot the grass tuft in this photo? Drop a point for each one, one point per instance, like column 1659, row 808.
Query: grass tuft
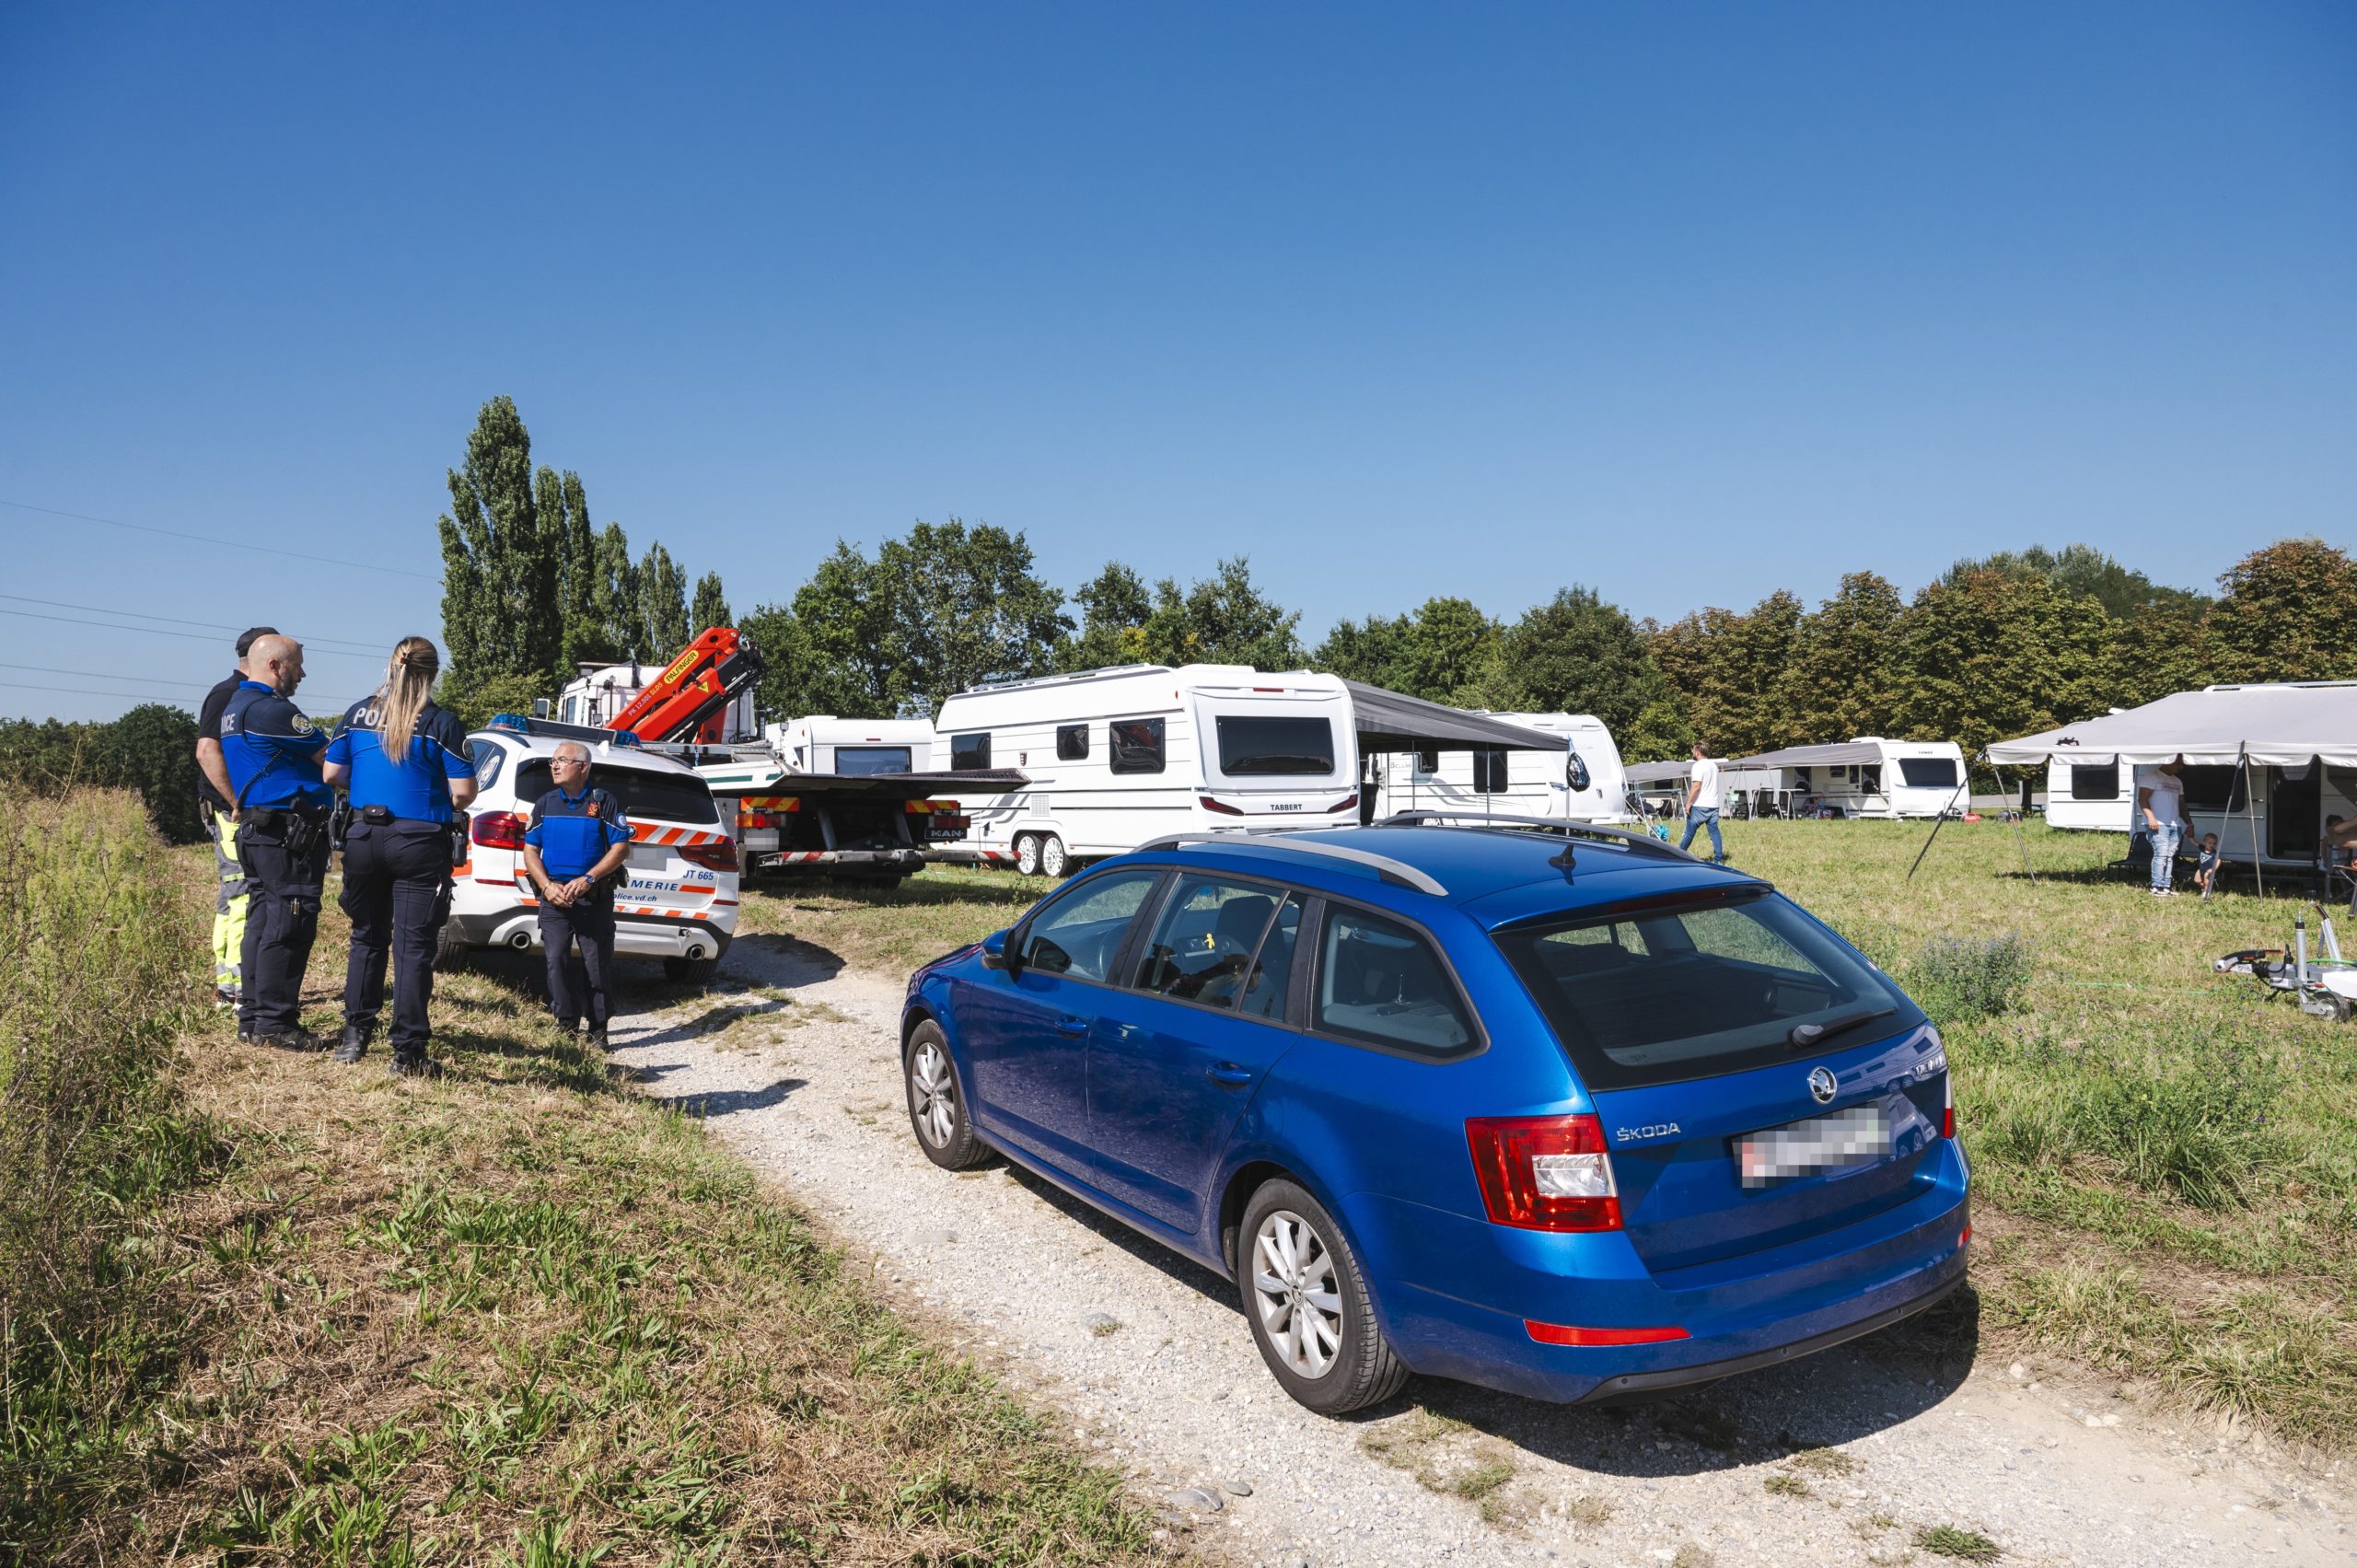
column 1969, row 1545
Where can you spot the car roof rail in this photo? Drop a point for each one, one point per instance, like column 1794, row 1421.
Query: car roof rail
column 1659, row 848
column 1383, row 866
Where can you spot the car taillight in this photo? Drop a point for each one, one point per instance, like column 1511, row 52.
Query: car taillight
column 1348, row 803
column 1223, row 807
column 721, row 857
column 497, row 830
column 1564, row 1334
column 1544, row 1172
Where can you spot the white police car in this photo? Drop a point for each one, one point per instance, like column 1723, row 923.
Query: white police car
column 679, row 900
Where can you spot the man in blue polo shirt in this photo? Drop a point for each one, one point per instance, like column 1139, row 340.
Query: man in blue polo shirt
column 577, row 841
column 271, row 753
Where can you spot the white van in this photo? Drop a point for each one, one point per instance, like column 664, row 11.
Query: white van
column 1117, row 757
column 1584, row 782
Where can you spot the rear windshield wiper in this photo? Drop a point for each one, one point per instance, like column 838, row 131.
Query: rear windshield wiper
column 1806, row 1035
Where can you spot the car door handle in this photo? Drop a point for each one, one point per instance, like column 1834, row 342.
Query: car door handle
column 1229, row 1075
column 1072, row 1026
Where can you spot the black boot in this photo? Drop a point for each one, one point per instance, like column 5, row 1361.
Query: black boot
column 414, row 1065
column 352, row 1046
column 597, row 1038
column 296, row 1039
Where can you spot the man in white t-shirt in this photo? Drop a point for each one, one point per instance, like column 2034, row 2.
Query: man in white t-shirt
column 1702, row 801
column 2160, row 807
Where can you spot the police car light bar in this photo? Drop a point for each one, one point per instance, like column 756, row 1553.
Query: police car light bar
column 519, row 723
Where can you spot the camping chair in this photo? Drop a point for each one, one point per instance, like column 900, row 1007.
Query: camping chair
column 2334, row 874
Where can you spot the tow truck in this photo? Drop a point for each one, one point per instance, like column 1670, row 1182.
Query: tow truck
column 873, row 826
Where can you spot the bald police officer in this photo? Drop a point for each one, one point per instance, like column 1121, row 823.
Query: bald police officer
column 272, row 753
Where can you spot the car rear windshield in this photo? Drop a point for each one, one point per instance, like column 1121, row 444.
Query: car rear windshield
column 646, row 794
column 1927, row 772
column 1664, row 992
column 1248, row 745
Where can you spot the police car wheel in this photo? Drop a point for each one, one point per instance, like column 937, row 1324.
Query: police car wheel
column 449, row 947
column 691, row 972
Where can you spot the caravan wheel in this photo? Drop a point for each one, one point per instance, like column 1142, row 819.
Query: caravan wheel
column 1053, row 862
column 1026, row 853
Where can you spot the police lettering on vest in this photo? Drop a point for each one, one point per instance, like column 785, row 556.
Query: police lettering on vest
column 416, row 792
column 273, row 752
column 574, row 832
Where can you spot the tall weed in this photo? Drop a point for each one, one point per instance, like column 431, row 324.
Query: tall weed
column 1955, row 978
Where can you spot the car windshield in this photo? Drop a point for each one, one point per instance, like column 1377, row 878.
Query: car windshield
column 1695, row 986
column 646, row 794
column 1249, row 746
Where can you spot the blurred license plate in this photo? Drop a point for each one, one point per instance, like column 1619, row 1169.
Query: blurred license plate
column 1841, row 1141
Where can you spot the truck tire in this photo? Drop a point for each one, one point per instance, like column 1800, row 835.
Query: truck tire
column 1026, row 853
column 1053, row 862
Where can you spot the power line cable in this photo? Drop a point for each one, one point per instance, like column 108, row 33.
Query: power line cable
column 178, row 620
column 224, row 544
column 102, row 674
column 337, row 703
column 160, row 632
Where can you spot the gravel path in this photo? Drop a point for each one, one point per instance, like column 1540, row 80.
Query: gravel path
column 1147, row 1359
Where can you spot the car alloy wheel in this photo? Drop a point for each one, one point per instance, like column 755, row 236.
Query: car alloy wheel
column 1051, row 857
column 936, row 1105
column 1026, row 853
column 1293, row 1287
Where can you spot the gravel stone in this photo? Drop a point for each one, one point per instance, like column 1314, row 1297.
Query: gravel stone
column 1588, row 1487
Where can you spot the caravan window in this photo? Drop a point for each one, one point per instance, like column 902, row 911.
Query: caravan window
column 2213, row 788
column 1870, row 778
column 1489, row 770
column 1927, row 772
column 1071, row 742
column 1428, row 761
column 1135, row 745
column 865, row 762
column 1248, row 745
column 970, row 752
column 2091, row 783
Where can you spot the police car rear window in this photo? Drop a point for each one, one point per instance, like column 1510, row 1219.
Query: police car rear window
column 646, row 795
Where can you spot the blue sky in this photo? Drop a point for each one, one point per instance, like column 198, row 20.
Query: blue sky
column 1687, row 303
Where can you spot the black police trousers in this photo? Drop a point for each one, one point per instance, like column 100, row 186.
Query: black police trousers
column 591, row 921
column 397, row 890
column 280, row 921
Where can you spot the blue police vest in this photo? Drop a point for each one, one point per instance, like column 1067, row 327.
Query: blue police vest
column 272, row 751
column 417, row 789
column 574, row 833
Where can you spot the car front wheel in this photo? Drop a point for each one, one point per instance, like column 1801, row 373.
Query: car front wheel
column 937, row 1107
column 1309, row 1306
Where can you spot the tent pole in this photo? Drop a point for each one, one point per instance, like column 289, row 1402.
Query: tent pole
column 2251, row 807
column 2021, row 835
column 1941, row 821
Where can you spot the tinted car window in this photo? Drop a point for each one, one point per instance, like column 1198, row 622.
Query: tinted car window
column 969, row 751
column 1253, row 745
column 1079, row 932
column 490, row 757
column 1264, row 992
column 1928, row 772
column 1136, row 745
column 1381, row 982
column 1695, row 989
column 1205, row 939
column 1071, row 742
column 645, row 794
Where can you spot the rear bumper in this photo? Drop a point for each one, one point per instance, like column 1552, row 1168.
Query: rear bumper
column 635, row 937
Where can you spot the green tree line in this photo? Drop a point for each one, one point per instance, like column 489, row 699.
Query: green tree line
column 150, row 750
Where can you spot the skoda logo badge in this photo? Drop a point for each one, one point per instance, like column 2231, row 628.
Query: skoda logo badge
column 1821, row 1084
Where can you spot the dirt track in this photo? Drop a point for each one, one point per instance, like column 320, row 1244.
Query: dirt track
column 1148, row 1359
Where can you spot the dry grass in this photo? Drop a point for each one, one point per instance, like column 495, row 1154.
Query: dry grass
column 522, row 1314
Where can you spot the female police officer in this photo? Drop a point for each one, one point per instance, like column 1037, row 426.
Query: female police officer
column 405, row 762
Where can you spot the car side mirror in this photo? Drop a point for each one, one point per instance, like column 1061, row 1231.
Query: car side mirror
column 995, row 954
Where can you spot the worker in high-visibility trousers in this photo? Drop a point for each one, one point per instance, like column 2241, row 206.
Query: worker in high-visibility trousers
column 235, row 890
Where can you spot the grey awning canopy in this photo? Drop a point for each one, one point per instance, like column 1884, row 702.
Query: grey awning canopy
column 1660, row 772
column 2284, row 725
column 1836, row 756
column 1390, row 722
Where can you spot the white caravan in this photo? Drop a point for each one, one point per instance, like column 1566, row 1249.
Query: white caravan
column 1866, row 777
column 1117, row 757
column 825, row 744
column 1583, row 783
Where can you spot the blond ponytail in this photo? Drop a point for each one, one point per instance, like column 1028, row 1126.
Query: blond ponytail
column 409, row 680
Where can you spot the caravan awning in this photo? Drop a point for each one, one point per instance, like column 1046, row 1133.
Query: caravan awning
column 1838, row 756
column 2281, row 727
column 1390, row 722
column 1660, row 772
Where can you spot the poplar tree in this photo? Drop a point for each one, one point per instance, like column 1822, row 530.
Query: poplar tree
column 711, row 607
column 500, row 613
column 584, row 632
column 613, row 596
column 662, row 603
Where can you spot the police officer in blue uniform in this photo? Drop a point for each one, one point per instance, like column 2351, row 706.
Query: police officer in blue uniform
column 404, row 764
column 273, row 752
column 573, row 851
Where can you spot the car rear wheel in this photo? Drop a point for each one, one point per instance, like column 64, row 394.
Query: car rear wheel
column 1052, row 860
column 936, row 1106
column 1307, row 1303
column 691, row 972
column 1026, row 853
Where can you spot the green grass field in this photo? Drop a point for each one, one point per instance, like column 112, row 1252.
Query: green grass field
column 2165, row 1158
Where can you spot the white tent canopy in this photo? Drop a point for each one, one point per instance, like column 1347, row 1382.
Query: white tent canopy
column 2283, row 727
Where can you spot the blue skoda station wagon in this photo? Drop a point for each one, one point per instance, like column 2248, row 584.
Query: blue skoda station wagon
column 1552, row 1108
